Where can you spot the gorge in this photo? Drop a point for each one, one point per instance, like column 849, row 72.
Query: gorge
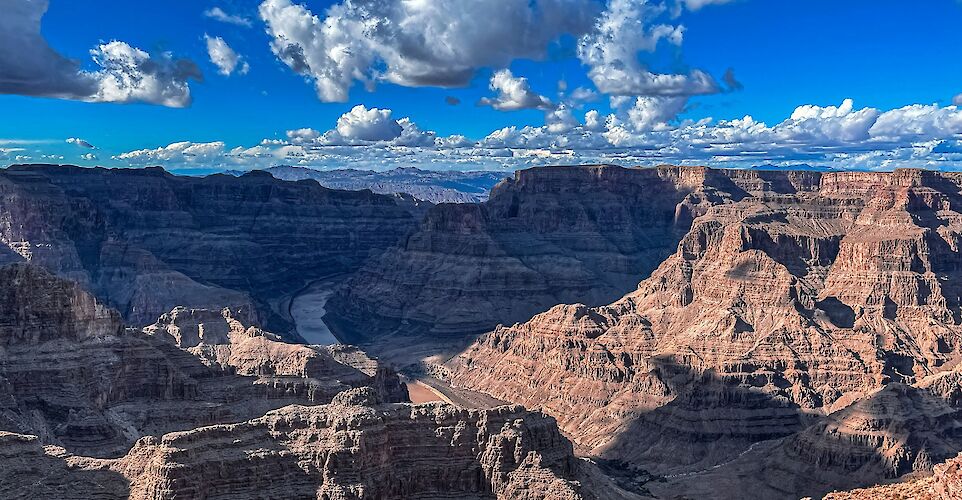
column 608, row 332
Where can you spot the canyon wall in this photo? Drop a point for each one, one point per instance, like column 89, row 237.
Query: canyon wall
column 71, row 374
column 199, row 405
column 145, row 241
column 784, row 306
column 549, row 235
column 352, row 448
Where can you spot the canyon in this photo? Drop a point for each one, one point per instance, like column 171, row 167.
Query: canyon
column 145, row 241
column 606, row 332
column 198, row 405
column 803, row 336
column 550, row 235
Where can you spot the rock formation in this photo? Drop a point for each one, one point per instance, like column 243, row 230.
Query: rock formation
column 72, row 375
column 788, row 300
column 549, row 235
column 198, row 405
column 784, row 333
column 352, row 448
column 944, row 484
column 223, row 342
column 145, row 241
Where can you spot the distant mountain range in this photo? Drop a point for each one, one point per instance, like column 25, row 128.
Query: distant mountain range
column 427, row 185
column 434, row 186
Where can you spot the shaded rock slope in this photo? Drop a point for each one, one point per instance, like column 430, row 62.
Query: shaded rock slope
column 144, row 241
column 808, row 323
column 944, row 484
column 71, row 374
column 549, row 235
column 198, row 405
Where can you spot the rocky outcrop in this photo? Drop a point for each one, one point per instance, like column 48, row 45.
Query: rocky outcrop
column 74, row 384
column 36, row 307
column 73, row 376
column 780, row 306
column 352, row 448
column 83, row 402
column 145, row 241
column 221, row 340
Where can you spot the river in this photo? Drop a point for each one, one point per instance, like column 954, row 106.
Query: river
column 307, row 309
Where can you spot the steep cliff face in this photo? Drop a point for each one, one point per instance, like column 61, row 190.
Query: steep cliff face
column 894, row 433
column 72, row 375
column 944, row 484
column 779, row 306
column 74, row 384
column 221, row 340
column 550, row 235
column 145, row 241
column 36, row 307
column 352, row 448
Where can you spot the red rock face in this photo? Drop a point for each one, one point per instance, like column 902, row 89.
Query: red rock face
column 783, row 333
column 788, row 299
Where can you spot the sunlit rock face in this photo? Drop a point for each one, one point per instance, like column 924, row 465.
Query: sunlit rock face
column 802, row 307
column 145, row 241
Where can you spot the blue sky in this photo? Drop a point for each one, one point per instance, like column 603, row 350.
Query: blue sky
column 884, row 55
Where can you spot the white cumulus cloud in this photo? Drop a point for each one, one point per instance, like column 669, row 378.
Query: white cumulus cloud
column 514, row 93
column 29, row 66
column 611, row 51
column 219, row 14
column 129, row 74
column 415, row 43
column 178, row 151
column 76, row 141
column 368, row 125
column 224, row 57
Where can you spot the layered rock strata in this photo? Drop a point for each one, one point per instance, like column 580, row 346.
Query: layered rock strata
column 944, row 484
column 549, row 235
column 780, row 306
column 145, row 241
column 198, row 405
column 353, row 448
column 72, row 375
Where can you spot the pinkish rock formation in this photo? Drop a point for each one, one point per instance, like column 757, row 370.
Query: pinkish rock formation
column 780, row 306
column 200, row 406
